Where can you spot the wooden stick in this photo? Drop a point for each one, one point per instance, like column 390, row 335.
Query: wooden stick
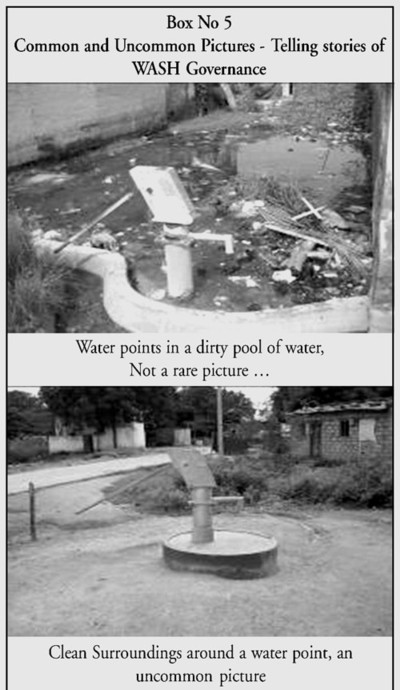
column 306, row 213
column 32, row 512
column 134, row 482
column 295, row 233
column 311, row 207
column 96, row 220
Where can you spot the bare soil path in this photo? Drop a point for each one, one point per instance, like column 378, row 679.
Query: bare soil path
column 56, row 474
column 102, row 574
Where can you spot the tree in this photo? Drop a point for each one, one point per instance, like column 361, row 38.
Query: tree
column 199, row 404
column 109, row 406
column 26, row 415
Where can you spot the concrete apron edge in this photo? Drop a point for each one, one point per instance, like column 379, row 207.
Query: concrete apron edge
column 136, row 313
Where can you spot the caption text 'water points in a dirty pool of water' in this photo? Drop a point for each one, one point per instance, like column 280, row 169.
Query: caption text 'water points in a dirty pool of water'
column 230, row 665
column 201, row 361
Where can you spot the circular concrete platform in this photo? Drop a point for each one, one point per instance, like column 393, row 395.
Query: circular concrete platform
column 236, row 555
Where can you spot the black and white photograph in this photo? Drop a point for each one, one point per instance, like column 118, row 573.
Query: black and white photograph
column 199, row 346
column 200, row 511
column 180, row 207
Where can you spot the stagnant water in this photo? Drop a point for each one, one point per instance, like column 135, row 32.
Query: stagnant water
column 63, row 196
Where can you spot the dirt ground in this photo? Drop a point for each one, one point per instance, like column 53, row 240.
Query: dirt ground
column 102, row 573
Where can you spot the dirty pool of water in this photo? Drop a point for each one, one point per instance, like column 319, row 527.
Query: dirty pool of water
column 63, row 196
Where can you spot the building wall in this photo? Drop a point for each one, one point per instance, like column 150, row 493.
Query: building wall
column 46, row 119
column 334, row 446
column 182, row 437
column 129, row 436
column 132, row 436
column 65, row 444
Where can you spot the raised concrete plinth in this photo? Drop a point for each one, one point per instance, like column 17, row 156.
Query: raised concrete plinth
column 138, row 314
column 237, row 555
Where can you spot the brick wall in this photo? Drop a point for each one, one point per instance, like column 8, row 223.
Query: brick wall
column 46, row 119
column 334, row 445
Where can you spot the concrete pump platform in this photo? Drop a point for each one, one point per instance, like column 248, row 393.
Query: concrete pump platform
column 235, row 555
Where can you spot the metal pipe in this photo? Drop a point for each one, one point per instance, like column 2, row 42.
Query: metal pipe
column 203, row 532
column 178, row 259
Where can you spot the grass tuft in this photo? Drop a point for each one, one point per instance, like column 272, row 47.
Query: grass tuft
column 39, row 291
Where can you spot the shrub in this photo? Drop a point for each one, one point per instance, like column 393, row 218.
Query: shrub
column 39, row 291
column 166, row 493
column 171, row 500
column 308, row 488
column 366, row 484
column 27, row 449
column 243, row 479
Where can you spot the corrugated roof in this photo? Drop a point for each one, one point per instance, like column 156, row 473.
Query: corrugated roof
column 365, row 406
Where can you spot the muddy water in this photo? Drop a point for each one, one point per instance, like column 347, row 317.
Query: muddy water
column 313, row 166
column 63, row 196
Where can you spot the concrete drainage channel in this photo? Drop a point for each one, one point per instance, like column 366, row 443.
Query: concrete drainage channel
column 138, row 314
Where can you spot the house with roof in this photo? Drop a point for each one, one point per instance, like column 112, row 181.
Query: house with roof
column 346, row 432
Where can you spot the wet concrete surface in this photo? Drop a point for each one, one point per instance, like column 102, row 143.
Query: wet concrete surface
column 329, row 170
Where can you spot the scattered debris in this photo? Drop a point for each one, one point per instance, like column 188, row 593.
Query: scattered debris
column 299, row 255
column 53, row 178
column 53, row 235
column 283, row 276
column 158, row 294
column 104, row 240
column 312, row 210
column 332, row 276
column 333, row 221
column 220, row 300
column 95, row 221
column 197, row 163
column 320, row 255
column 348, row 253
column 70, row 211
column 248, row 281
column 246, row 209
column 355, row 208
